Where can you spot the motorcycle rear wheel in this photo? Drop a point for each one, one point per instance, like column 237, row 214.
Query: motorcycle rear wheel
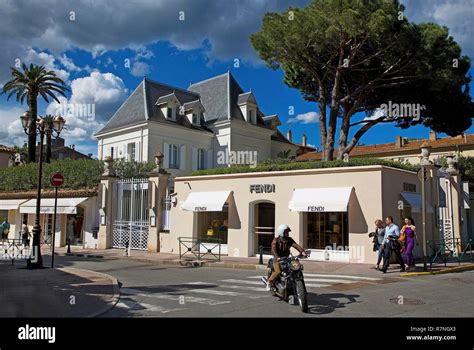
column 302, row 296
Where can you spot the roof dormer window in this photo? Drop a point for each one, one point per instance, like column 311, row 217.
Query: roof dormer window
column 252, row 118
column 196, row 118
column 171, row 113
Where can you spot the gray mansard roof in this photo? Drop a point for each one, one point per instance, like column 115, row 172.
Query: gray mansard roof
column 220, row 96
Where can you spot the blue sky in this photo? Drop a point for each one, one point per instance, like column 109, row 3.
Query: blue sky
column 89, row 45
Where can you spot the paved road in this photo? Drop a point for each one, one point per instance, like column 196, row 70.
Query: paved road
column 165, row 291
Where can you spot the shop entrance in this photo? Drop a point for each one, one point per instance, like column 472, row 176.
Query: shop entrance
column 264, row 226
column 74, row 226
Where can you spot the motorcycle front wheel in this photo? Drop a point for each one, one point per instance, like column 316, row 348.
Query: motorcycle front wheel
column 302, row 296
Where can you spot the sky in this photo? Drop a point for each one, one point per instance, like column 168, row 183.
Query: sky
column 103, row 48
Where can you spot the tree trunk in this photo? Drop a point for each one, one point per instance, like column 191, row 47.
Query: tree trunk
column 322, row 123
column 48, row 147
column 32, row 103
column 334, row 111
column 344, row 133
column 359, row 134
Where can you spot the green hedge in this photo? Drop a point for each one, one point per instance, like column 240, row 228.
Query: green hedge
column 281, row 165
column 78, row 174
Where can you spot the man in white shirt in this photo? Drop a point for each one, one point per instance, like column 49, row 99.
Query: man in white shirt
column 391, row 244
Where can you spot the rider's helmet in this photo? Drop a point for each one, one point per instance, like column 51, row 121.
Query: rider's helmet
column 281, row 230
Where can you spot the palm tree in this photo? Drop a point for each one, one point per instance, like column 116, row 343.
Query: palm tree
column 30, row 83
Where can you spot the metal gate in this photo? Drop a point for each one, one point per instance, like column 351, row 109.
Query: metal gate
column 130, row 208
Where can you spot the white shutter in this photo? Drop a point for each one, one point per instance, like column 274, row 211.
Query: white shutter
column 182, row 157
column 209, row 162
column 166, row 152
column 194, row 157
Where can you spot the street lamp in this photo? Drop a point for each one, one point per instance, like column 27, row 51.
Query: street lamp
column 42, row 128
column 425, row 166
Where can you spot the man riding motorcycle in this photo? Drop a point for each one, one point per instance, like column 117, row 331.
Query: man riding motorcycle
column 281, row 249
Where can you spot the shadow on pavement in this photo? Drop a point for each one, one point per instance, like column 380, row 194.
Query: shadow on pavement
column 325, row 303
column 52, row 292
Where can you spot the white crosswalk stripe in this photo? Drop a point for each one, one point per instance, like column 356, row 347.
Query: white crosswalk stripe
column 314, row 285
column 222, row 291
column 132, row 305
column 176, row 297
column 338, row 277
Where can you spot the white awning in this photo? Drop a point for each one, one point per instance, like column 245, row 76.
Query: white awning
column 64, row 206
column 206, row 201
column 414, row 201
column 10, row 204
column 329, row 199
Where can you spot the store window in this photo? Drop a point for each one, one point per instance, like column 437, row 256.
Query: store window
column 327, row 229
column 213, row 225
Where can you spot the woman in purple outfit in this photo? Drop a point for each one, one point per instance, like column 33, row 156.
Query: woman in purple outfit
column 409, row 230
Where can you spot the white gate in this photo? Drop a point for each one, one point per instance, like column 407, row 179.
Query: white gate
column 130, row 208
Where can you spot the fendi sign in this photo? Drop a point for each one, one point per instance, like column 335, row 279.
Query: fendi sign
column 316, row 208
column 266, row 188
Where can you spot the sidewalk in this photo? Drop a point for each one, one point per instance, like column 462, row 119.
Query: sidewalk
column 252, row 263
column 60, row 292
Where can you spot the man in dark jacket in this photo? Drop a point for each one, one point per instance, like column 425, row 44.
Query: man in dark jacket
column 281, row 249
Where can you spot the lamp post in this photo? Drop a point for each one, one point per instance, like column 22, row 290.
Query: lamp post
column 425, row 166
column 42, row 128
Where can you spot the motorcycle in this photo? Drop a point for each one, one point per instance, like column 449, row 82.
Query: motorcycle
column 290, row 284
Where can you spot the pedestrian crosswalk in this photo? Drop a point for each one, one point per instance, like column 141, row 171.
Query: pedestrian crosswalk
column 171, row 299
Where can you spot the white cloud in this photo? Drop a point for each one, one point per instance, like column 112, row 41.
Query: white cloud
column 379, row 112
column 98, row 96
column 457, row 15
column 306, row 118
column 108, row 25
column 12, row 132
column 47, row 60
column 69, row 64
column 144, row 53
column 139, row 69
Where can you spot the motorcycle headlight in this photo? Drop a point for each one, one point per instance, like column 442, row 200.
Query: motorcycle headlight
column 295, row 265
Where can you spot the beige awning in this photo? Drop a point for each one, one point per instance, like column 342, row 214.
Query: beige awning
column 206, row 201
column 11, row 204
column 64, row 206
column 328, row 199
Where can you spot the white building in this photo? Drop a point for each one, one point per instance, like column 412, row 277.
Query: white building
column 193, row 128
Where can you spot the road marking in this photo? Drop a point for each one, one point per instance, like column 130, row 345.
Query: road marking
column 333, row 276
column 314, row 285
column 133, row 305
column 231, row 286
column 176, row 297
column 221, row 292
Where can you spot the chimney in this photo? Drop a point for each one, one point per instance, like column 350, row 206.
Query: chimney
column 399, row 142
column 433, row 136
column 304, row 140
column 289, row 135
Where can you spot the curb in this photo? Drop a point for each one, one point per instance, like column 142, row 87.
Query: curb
column 440, row 272
column 116, row 289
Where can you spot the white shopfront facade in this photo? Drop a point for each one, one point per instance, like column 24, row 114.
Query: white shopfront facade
column 330, row 211
column 76, row 219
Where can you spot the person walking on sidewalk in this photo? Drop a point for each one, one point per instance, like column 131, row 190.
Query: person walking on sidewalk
column 391, row 245
column 378, row 237
column 409, row 230
column 25, row 233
